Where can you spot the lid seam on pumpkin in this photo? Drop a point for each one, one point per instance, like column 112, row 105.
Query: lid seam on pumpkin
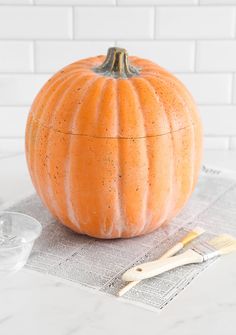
column 111, row 137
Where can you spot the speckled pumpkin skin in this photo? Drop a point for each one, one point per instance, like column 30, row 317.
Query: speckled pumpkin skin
column 110, row 157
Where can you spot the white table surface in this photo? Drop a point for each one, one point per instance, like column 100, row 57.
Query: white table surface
column 35, row 304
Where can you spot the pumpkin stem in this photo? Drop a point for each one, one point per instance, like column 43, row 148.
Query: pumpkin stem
column 117, row 64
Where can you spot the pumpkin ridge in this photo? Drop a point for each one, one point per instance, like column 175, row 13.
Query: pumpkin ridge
column 174, row 144
column 84, row 115
column 98, row 109
column 145, row 202
column 190, row 172
column 189, row 113
column 177, row 96
column 46, row 92
column 51, row 191
column 176, row 86
column 33, row 155
column 69, row 83
column 106, row 123
column 136, row 94
column 159, row 101
column 36, row 165
column 107, row 227
column 119, row 171
column 172, row 160
column 155, row 97
column 185, row 94
column 36, row 162
column 68, row 161
column 62, row 104
column 70, row 211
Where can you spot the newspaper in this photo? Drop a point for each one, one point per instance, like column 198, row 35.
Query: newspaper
column 99, row 264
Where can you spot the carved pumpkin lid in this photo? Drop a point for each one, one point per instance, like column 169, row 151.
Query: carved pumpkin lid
column 115, row 97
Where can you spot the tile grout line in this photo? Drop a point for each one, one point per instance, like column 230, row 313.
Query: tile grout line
column 73, row 24
column 130, row 39
column 228, row 143
column 195, row 56
column 34, row 57
column 234, row 22
column 156, row 24
column 49, row 73
column 120, row 5
column 232, row 88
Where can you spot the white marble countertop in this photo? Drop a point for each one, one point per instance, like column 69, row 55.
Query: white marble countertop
column 34, row 304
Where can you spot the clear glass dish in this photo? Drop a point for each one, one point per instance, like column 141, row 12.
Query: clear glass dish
column 17, row 235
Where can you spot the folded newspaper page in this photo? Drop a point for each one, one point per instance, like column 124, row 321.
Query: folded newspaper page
column 99, row 264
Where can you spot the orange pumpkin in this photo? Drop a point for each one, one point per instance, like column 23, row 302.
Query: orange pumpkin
column 114, row 149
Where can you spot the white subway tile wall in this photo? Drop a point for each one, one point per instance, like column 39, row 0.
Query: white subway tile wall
column 16, row 56
column 232, row 142
column 196, row 22
column 31, row 22
column 194, row 39
column 114, row 23
column 208, row 88
column 19, row 115
column 20, row 89
column 53, row 55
